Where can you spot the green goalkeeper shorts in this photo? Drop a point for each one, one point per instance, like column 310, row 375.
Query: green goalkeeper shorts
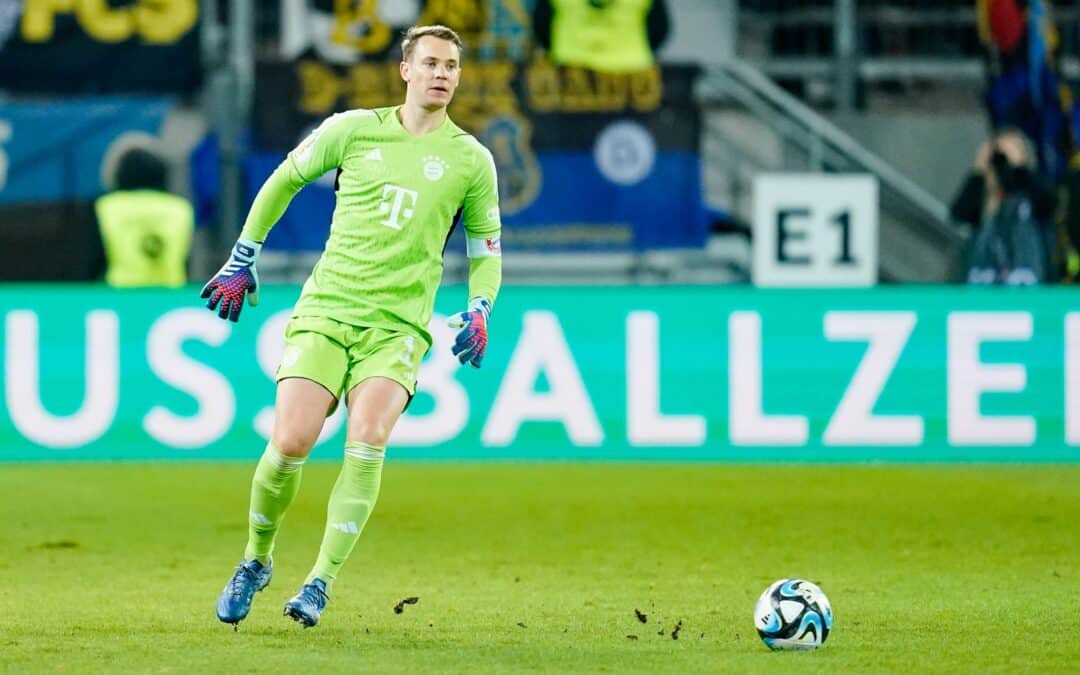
column 339, row 356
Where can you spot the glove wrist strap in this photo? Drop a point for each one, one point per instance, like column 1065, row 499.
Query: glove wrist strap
column 481, row 304
column 246, row 251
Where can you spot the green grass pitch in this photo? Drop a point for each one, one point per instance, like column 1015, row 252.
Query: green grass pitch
column 540, row 567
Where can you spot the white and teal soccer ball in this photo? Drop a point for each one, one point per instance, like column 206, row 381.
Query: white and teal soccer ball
column 793, row 614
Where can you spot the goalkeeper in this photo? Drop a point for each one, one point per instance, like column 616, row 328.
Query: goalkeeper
column 358, row 331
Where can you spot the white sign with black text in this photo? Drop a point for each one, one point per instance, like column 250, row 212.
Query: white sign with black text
column 813, row 229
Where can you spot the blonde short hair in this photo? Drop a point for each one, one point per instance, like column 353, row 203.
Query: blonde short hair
column 408, row 43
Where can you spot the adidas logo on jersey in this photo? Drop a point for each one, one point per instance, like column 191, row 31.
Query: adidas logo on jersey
column 375, row 155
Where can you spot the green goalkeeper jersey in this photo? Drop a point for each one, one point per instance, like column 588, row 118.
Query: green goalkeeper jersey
column 398, row 197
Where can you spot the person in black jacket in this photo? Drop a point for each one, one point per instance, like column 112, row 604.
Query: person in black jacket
column 1008, row 208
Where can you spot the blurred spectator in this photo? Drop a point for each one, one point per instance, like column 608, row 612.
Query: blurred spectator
column 1009, row 208
column 1024, row 90
column 604, row 35
column 1069, row 232
column 145, row 231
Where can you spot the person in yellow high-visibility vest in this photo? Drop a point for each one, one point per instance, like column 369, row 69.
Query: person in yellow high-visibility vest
column 145, row 230
column 617, row 36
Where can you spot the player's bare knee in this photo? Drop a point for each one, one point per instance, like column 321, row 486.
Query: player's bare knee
column 370, row 432
column 294, row 442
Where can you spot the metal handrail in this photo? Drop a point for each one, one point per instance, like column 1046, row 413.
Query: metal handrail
column 872, row 69
column 750, row 83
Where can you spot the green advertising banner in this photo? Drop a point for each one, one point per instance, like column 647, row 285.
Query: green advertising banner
column 905, row 374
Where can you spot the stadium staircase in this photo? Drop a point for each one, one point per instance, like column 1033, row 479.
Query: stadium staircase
column 754, row 125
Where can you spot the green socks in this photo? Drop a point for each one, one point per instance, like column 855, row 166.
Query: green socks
column 276, row 482
column 351, row 502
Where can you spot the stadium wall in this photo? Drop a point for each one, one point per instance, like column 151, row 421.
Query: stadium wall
column 905, row 374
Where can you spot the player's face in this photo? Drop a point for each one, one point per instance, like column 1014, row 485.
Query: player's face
column 433, row 72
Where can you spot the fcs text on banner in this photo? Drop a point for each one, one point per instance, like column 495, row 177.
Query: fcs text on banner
column 95, row 47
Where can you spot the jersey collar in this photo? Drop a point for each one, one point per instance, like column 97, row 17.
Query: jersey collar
column 446, row 125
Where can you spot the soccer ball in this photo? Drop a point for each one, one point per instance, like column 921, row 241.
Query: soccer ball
column 793, row 614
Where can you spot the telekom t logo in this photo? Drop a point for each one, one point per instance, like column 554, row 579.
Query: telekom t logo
column 394, row 203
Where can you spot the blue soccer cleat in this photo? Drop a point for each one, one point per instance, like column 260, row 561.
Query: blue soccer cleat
column 234, row 603
column 307, row 606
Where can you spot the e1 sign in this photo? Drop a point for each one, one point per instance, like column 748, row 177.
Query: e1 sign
column 815, row 230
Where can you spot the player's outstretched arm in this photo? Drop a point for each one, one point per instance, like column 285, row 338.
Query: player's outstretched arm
column 319, row 152
column 238, row 277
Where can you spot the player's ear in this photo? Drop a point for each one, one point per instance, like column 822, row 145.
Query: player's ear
column 403, row 68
